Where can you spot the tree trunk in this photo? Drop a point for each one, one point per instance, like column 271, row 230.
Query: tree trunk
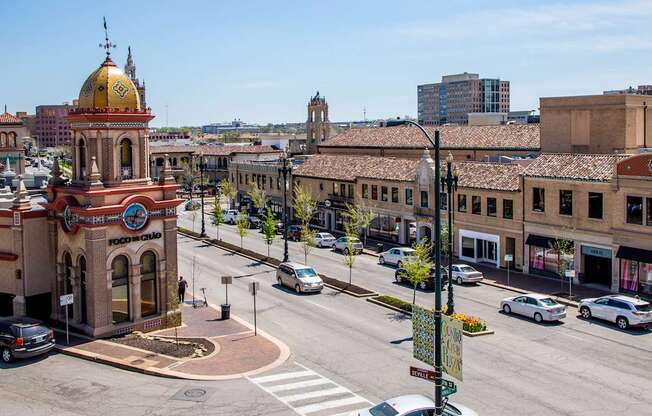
column 414, row 294
column 268, row 245
column 218, row 231
column 350, row 268
column 241, row 242
column 305, row 258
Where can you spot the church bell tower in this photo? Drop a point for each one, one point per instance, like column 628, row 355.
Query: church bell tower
column 317, row 125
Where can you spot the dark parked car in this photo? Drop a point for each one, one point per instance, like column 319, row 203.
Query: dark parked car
column 23, row 338
column 294, row 232
column 255, row 222
column 279, row 227
column 401, row 277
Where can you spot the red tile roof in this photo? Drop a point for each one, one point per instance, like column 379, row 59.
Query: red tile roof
column 348, row 168
column 488, row 175
column 210, row 150
column 579, row 167
column 6, row 118
column 513, row 136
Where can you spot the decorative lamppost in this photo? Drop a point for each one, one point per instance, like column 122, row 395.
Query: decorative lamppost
column 439, row 404
column 450, row 184
column 285, row 170
column 202, row 167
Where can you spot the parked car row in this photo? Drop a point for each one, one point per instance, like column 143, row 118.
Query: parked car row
column 24, row 338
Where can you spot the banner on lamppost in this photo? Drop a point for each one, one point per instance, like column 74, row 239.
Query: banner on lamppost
column 423, row 335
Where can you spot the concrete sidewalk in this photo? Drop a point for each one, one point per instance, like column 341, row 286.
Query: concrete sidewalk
column 237, row 353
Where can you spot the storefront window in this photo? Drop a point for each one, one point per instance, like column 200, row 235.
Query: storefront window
column 648, row 219
column 385, row 227
column 636, row 276
column 635, row 210
column 319, row 219
column 508, row 209
column 443, row 201
column 491, row 207
column 120, row 289
column 148, row 284
column 468, row 247
column 339, row 221
column 548, row 261
column 461, row 203
column 408, row 196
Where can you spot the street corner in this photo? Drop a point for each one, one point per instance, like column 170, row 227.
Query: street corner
column 205, row 347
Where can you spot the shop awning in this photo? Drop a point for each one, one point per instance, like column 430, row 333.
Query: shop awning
column 636, row 254
column 540, row 241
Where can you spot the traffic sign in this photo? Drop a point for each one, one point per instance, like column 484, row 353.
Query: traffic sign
column 448, row 388
column 227, row 280
column 66, row 299
column 254, row 287
column 509, row 257
column 422, row 373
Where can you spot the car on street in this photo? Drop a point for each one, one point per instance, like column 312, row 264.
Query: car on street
column 279, row 227
column 324, row 240
column 230, row 215
column 300, row 277
column 295, row 232
column 24, row 338
column 533, row 305
column 463, row 273
column 415, row 405
column 624, row 311
column 396, row 256
column 401, row 277
column 192, row 205
column 342, row 245
column 255, row 222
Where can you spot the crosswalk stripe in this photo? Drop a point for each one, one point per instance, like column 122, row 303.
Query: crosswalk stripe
column 352, row 412
column 282, row 376
column 298, row 385
column 311, row 408
column 314, row 394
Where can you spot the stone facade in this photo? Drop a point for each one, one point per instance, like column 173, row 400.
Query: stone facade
column 317, row 124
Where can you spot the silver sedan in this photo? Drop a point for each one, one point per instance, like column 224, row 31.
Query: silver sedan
column 533, row 305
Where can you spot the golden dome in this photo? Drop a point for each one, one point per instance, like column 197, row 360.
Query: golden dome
column 109, row 87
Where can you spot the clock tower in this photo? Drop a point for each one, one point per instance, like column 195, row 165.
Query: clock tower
column 112, row 230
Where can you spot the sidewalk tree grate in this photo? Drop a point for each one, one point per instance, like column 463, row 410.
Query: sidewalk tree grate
column 193, row 394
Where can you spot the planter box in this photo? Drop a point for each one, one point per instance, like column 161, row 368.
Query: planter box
column 377, row 301
column 478, row 334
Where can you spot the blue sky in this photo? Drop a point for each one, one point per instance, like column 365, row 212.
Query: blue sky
column 261, row 60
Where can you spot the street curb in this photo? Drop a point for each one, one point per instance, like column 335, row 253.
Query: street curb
column 477, row 334
column 355, row 295
column 563, row 301
column 384, row 305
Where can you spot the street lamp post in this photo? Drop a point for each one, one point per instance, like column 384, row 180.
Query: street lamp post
column 450, row 182
column 202, row 166
column 285, row 170
column 439, row 405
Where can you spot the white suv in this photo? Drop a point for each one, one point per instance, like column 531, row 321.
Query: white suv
column 230, row 215
column 396, row 256
column 623, row 310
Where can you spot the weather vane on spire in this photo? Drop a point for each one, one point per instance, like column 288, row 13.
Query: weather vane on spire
column 107, row 45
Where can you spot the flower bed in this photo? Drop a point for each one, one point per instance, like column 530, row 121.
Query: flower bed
column 470, row 323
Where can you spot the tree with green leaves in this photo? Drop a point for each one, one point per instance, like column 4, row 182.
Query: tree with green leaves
column 351, row 230
column 228, row 190
column 269, row 228
column 444, row 238
column 189, row 177
column 258, row 197
column 218, row 215
column 565, row 249
column 242, row 223
column 417, row 267
column 305, row 207
column 361, row 217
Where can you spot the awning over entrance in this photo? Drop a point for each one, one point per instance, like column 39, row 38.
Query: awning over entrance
column 636, row 254
column 539, row 241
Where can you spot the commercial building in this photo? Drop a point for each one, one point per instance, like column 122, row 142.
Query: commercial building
column 640, row 90
column 606, row 124
column 51, row 125
column 452, row 99
column 108, row 236
column 12, row 134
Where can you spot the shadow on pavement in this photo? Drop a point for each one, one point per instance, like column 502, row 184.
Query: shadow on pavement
column 605, row 324
column 552, row 324
column 400, row 341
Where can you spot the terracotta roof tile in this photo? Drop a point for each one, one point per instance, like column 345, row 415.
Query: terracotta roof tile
column 580, row 167
column 513, row 136
column 348, row 168
column 488, row 175
column 6, row 118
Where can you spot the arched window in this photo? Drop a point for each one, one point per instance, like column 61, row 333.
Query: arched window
column 82, row 286
column 3, row 140
column 120, row 289
column 126, row 170
column 12, row 140
column 82, row 158
column 148, row 304
column 67, row 274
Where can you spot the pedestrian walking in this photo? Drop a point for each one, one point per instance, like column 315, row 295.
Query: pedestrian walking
column 182, row 289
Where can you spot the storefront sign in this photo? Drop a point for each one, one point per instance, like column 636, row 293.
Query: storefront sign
column 597, row 252
column 131, row 239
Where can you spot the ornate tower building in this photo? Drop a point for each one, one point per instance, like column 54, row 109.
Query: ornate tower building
column 112, row 231
column 130, row 70
column 317, row 125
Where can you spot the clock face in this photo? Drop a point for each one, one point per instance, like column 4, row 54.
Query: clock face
column 135, row 216
column 68, row 220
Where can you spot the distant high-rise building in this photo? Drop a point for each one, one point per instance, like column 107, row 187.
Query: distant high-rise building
column 51, row 128
column 130, row 71
column 317, row 125
column 452, row 99
column 640, row 90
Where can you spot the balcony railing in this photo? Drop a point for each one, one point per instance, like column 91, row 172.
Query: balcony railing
column 340, row 198
column 126, row 173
